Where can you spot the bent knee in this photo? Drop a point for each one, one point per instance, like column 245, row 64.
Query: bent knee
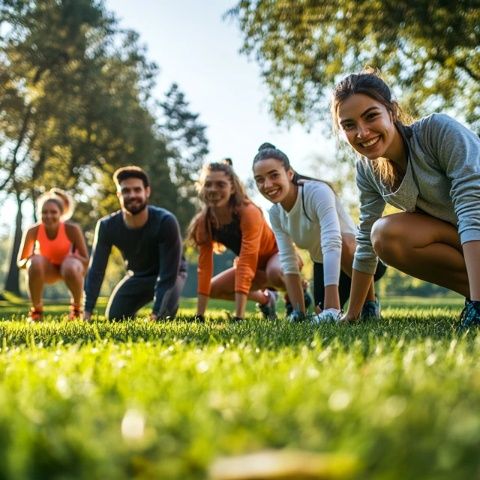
column 274, row 275
column 218, row 290
column 389, row 238
column 72, row 267
column 36, row 264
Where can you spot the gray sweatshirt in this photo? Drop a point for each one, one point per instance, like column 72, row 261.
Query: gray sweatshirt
column 442, row 180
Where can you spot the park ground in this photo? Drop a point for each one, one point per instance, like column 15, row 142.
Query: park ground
column 397, row 398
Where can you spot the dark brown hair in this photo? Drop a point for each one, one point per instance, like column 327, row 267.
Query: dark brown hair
column 369, row 83
column 131, row 171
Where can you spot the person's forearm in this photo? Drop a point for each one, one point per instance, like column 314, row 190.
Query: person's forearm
column 240, row 304
column 358, row 292
column 293, row 282
column 93, row 283
column 471, row 252
column 331, row 298
column 202, row 303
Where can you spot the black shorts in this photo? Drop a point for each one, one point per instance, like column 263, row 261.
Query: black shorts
column 343, row 285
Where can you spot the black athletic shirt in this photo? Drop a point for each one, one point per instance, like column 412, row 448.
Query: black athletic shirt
column 154, row 249
column 229, row 235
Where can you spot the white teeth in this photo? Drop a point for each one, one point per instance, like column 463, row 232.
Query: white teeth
column 370, row 142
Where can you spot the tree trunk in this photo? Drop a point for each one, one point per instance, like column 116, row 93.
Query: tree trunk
column 12, row 283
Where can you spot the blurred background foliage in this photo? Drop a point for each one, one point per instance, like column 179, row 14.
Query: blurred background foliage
column 76, row 103
column 429, row 50
column 76, row 98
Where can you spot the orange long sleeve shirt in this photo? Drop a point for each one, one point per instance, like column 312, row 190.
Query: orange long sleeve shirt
column 257, row 246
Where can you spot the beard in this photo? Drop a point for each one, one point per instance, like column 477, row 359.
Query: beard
column 134, row 207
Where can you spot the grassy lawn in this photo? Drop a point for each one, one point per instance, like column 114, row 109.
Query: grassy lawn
column 141, row 400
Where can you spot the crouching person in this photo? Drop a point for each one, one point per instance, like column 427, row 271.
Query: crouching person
column 149, row 240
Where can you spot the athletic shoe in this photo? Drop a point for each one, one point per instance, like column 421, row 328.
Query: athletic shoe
column 289, row 307
column 371, row 310
column 35, row 315
column 470, row 316
column 296, row 317
column 328, row 315
column 268, row 309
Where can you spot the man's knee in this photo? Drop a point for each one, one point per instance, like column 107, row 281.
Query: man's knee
column 115, row 314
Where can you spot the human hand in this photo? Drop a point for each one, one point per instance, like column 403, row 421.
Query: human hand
column 296, row 316
column 333, row 315
column 348, row 318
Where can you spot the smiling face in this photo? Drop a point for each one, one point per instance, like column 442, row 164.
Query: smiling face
column 369, row 127
column 51, row 213
column 133, row 195
column 274, row 182
column 217, row 189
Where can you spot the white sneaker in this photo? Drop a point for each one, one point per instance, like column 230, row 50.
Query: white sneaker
column 328, row 315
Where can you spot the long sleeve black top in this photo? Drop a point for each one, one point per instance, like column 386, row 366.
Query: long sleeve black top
column 154, row 249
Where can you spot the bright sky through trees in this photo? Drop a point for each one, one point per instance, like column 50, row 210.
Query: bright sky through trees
column 195, row 47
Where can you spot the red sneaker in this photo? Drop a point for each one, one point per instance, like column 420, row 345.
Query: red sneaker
column 35, row 315
column 76, row 312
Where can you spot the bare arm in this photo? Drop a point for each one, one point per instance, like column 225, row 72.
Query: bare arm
column 240, row 304
column 471, row 252
column 358, row 293
column 293, row 282
column 27, row 246
column 202, row 302
column 331, row 297
column 77, row 238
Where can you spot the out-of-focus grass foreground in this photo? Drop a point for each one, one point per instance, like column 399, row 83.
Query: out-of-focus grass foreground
column 164, row 400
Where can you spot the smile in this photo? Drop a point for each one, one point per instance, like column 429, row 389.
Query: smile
column 272, row 193
column 369, row 143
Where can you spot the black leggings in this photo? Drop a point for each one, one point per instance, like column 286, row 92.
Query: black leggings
column 134, row 292
column 343, row 285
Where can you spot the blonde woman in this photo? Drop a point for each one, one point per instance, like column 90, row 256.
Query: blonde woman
column 229, row 219
column 54, row 249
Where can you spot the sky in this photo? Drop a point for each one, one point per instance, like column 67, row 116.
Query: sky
column 197, row 48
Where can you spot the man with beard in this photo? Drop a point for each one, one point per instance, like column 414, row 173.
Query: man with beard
column 149, row 240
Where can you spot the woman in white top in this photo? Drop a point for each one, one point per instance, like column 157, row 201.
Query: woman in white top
column 307, row 213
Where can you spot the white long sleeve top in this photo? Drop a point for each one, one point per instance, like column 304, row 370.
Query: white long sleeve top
column 315, row 223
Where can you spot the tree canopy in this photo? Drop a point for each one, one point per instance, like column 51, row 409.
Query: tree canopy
column 76, row 103
column 429, row 50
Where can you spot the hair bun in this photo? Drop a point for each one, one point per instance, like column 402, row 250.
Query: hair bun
column 228, row 161
column 266, row 146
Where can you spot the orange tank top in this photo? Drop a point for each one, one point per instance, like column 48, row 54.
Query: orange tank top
column 54, row 250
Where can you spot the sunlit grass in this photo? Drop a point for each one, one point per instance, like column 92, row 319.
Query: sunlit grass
column 142, row 400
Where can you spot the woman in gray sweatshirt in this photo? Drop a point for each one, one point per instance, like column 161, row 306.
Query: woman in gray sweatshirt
column 430, row 170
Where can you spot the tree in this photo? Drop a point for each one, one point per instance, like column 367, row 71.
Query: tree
column 187, row 145
column 75, row 102
column 428, row 48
